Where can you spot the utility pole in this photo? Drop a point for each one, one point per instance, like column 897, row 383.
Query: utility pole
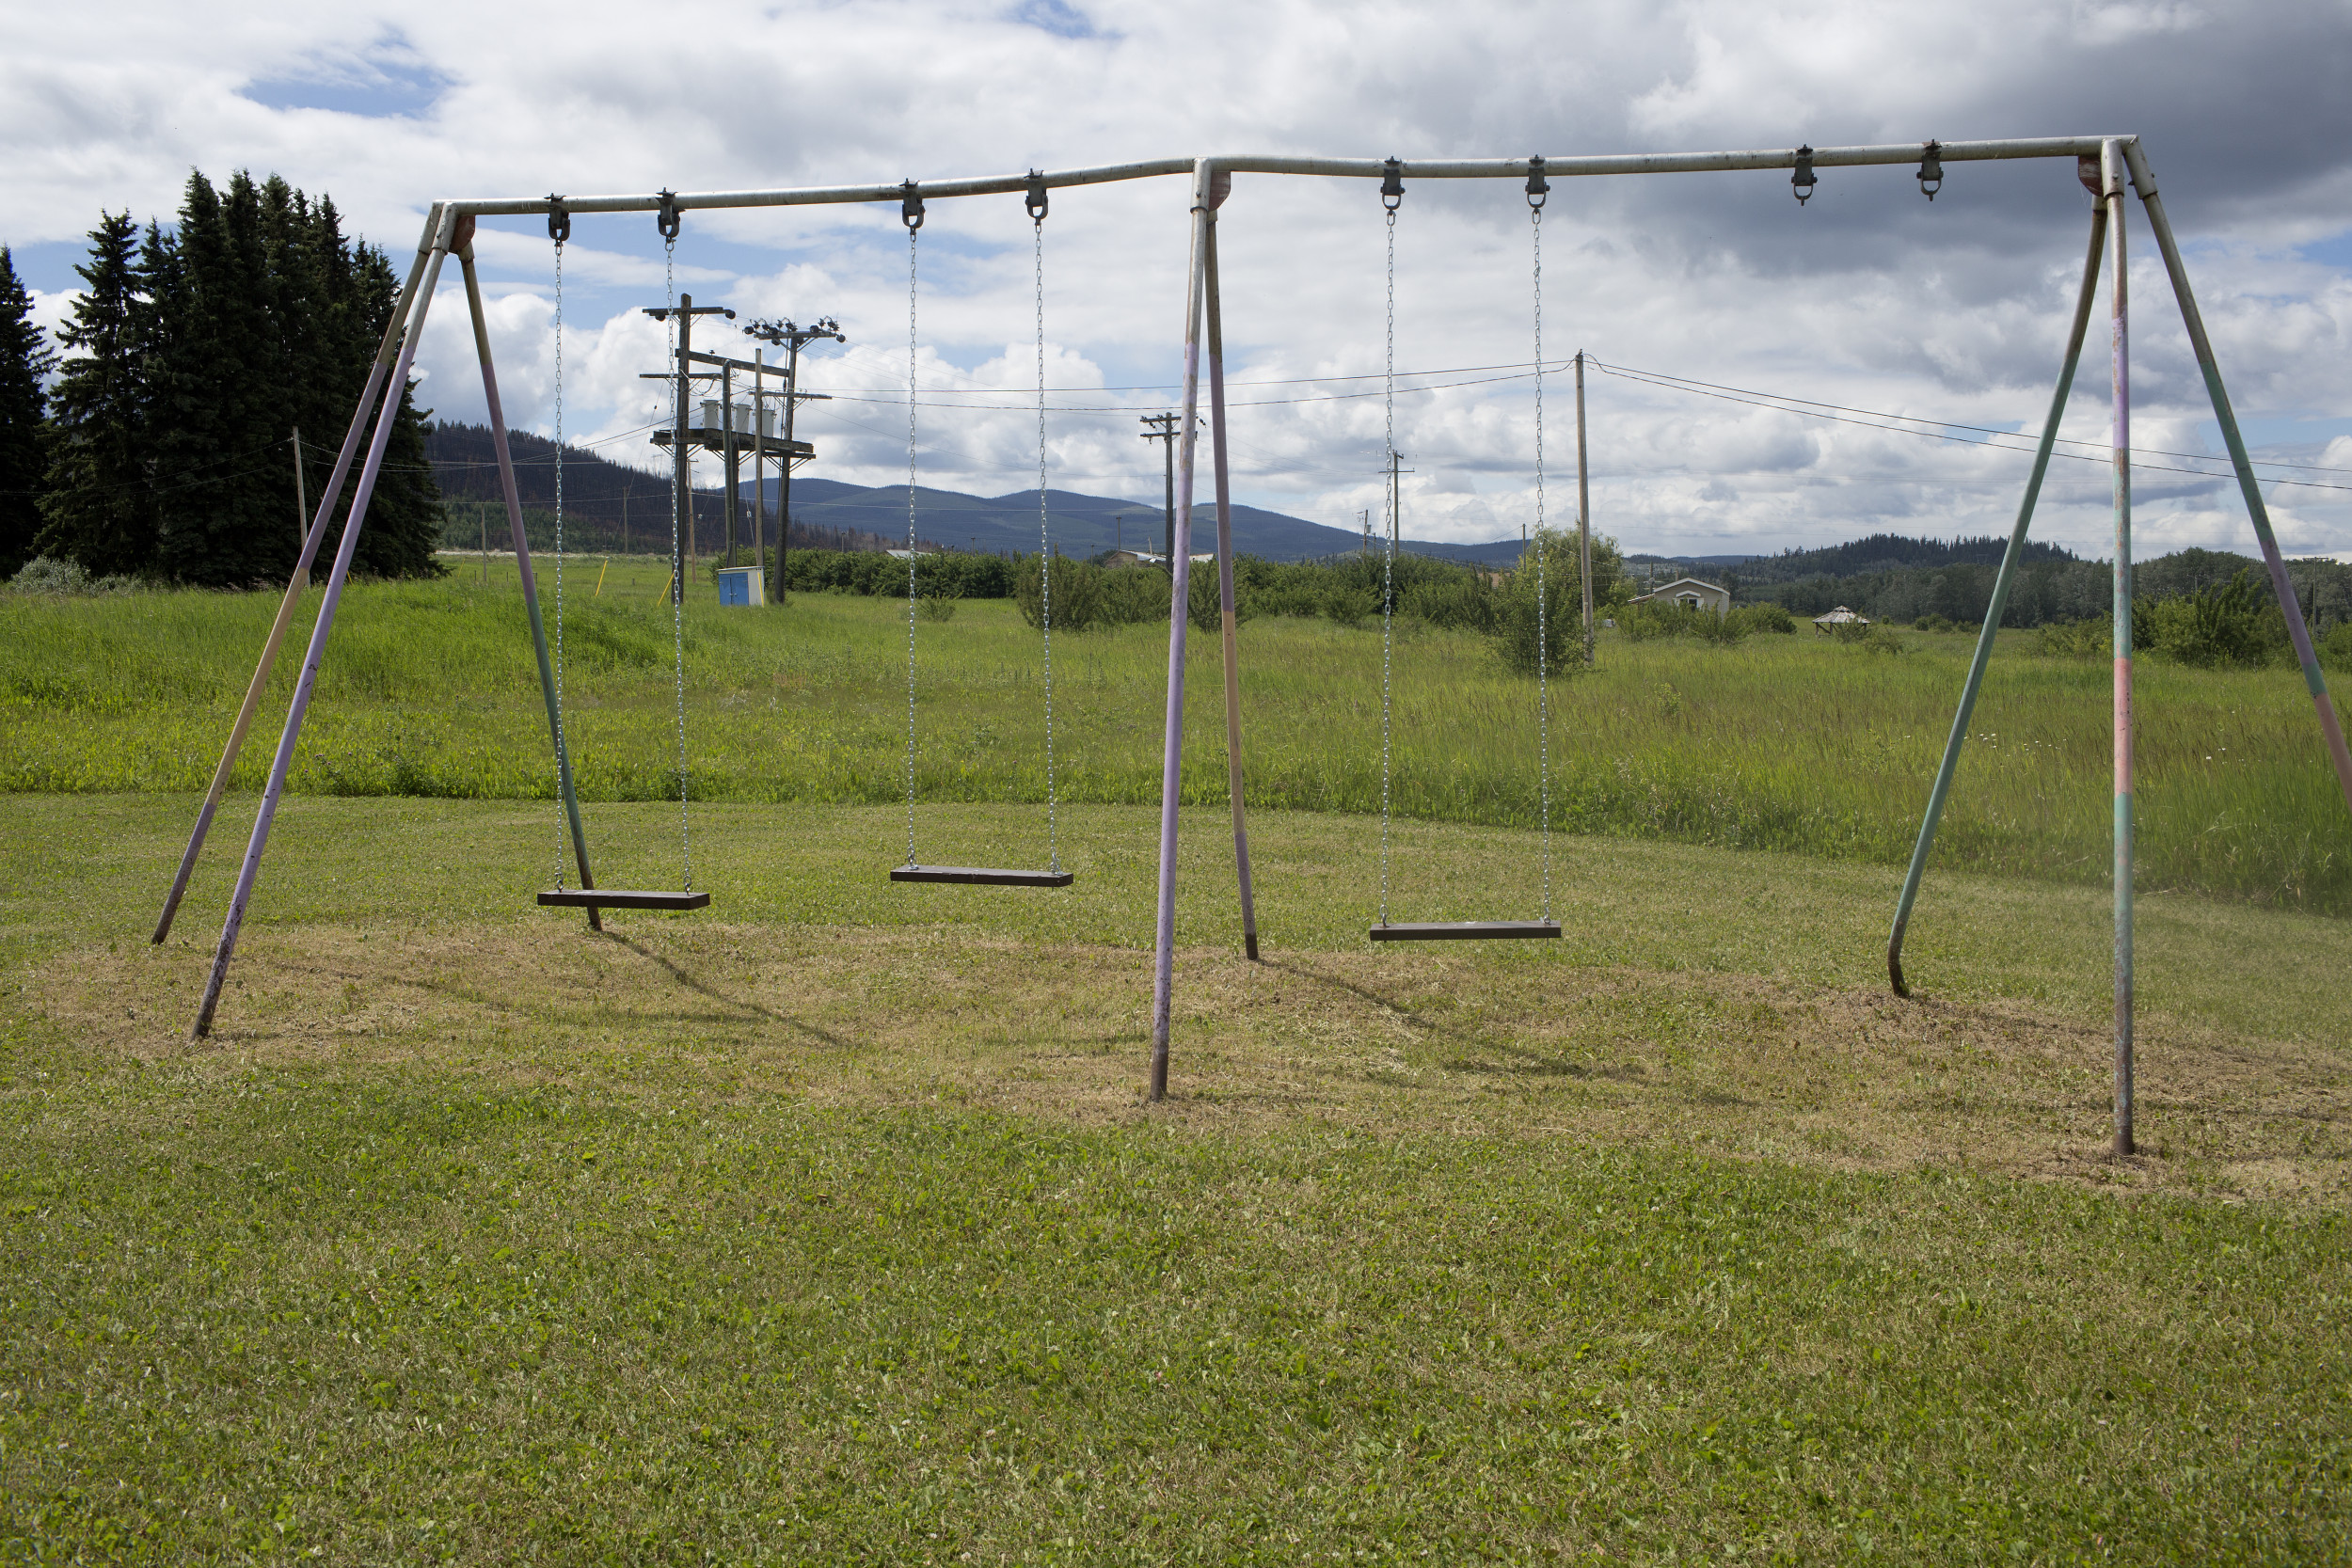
column 1584, row 513
column 728, row 462
column 1164, row 430
column 302, row 505
column 682, row 544
column 784, row 334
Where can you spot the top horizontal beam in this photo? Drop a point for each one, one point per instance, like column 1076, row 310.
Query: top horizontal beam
column 1345, row 168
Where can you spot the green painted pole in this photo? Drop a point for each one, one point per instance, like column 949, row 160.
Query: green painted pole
column 2000, row 600
column 2281, row 584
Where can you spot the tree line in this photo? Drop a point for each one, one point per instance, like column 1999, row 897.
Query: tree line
column 164, row 448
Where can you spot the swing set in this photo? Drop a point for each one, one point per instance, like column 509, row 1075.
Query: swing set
column 2106, row 165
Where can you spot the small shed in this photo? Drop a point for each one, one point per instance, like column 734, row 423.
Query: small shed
column 1841, row 617
column 1690, row 593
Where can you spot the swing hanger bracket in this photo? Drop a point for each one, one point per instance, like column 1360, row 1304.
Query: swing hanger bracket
column 668, row 219
column 1931, row 169
column 910, row 205
column 1035, row 202
column 1803, row 181
column 558, row 219
column 1392, row 184
column 1537, row 187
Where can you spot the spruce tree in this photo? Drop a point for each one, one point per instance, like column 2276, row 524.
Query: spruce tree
column 99, row 512
column 25, row 359
column 225, row 490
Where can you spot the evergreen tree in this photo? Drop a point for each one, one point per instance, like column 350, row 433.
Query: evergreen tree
column 99, row 511
column 405, row 521
column 25, row 359
column 225, row 506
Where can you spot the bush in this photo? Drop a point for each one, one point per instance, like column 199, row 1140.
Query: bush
column 1868, row 635
column 2227, row 626
column 1135, row 594
column 938, row 607
column 1208, row 600
column 1768, row 616
column 46, row 574
column 2090, row 638
column 1548, row 634
column 1077, row 587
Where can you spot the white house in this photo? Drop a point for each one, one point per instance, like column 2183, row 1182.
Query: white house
column 1690, row 593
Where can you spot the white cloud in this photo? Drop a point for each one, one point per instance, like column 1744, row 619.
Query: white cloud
column 1868, row 297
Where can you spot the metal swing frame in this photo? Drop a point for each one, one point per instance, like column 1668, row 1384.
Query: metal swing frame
column 449, row 229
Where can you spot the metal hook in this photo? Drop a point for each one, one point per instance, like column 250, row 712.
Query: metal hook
column 1537, row 187
column 1392, row 184
column 667, row 219
column 1034, row 203
column 1803, row 181
column 910, row 206
column 558, row 219
column 1931, row 170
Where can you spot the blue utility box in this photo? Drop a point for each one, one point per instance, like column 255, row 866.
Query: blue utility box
column 742, row 585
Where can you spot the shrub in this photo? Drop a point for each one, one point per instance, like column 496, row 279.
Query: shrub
column 46, row 574
column 1768, row 616
column 1133, row 594
column 937, row 607
column 2090, row 638
column 1208, row 601
column 2227, row 626
column 1866, row 634
column 1077, row 587
column 1561, row 618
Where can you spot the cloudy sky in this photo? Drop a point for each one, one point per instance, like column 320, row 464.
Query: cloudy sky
column 1870, row 298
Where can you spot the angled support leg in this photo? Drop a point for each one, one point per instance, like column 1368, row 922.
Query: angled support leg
column 439, row 227
column 1218, row 186
column 300, row 581
column 2001, row 582
column 2145, row 183
column 522, row 562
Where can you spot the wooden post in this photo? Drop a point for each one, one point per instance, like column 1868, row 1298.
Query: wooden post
column 302, row 512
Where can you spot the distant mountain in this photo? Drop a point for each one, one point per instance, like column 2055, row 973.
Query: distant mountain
column 608, row 505
column 1083, row 524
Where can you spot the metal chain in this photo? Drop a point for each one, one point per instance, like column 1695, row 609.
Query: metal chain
column 1045, row 565
column 684, row 498
column 563, row 762
column 1388, row 571
column 911, row 281
column 1543, row 629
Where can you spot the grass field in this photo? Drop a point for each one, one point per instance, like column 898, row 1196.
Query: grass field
column 1780, row 743
column 830, row 1226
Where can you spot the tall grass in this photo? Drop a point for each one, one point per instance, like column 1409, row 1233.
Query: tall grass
column 1777, row 742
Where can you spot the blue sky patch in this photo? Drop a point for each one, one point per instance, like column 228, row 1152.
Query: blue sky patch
column 388, row 79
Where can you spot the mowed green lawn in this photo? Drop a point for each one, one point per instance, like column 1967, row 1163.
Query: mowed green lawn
column 829, row 1225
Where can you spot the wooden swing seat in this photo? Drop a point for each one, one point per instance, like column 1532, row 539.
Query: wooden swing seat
column 622, row 899
column 980, row 876
column 1464, row 930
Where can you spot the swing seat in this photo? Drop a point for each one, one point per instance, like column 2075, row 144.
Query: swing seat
column 980, row 876
column 1464, row 930
column 620, row 898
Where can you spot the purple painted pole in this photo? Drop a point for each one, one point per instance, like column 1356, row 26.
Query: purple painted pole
column 522, row 564
column 2280, row 585
column 439, row 225
column 1180, row 600
column 1220, row 185
column 2111, row 185
column 294, row 586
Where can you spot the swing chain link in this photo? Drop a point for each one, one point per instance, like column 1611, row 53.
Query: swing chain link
column 913, row 222
column 677, row 514
column 1045, row 542
column 1543, row 603
column 1388, row 567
